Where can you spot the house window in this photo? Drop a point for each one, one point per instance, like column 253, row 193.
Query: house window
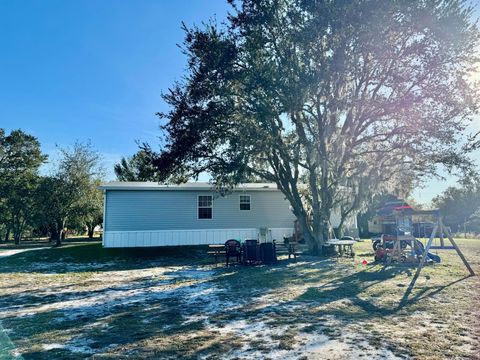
column 244, row 202
column 205, row 205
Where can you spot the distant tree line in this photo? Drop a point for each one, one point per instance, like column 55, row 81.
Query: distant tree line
column 47, row 205
column 460, row 207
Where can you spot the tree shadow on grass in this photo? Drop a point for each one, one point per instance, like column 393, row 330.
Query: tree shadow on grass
column 87, row 257
column 425, row 292
column 359, row 294
column 355, row 303
column 162, row 317
column 122, row 323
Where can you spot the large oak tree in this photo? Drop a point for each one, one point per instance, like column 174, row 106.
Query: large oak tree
column 342, row 96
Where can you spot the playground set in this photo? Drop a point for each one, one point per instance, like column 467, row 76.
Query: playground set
column 397, row 244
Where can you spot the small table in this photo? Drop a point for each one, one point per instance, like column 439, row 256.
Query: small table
column 343, row 246
column 217, row 249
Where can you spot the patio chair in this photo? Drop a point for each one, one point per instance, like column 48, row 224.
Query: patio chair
column 232, row 249
column 250, row 251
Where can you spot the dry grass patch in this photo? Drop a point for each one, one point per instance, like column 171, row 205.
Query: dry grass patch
column 82, row 301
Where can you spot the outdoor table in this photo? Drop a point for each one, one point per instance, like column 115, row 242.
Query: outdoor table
column 217, row 249
column 343, row 245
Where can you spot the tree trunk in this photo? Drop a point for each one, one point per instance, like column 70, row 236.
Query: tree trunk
column 16, row 237
column 307, row 234
column 320, row 237
column 58, row 240
column 316, row 238
column 7, row 234
column 91, row 231
column 339, row 231
column 56, row 234
column 313, row 244
column 317, row 234
column 17, row 230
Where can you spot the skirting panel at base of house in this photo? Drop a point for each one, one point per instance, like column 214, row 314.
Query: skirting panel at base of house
column 115, row 239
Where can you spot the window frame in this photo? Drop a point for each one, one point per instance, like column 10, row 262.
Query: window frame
column 249, row 202
column 204, row 207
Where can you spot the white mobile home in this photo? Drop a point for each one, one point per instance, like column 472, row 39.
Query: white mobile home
column 143, row 214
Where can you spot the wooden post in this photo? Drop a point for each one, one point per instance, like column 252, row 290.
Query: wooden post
column 424, row 257
column 449, row 235
column 442, row 240
column 439, row 225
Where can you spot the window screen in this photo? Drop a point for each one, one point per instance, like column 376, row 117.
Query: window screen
column 205, row 207
column 244, row 202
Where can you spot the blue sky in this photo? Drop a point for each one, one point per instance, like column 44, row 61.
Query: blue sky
column 92, row 69
column 95, row 70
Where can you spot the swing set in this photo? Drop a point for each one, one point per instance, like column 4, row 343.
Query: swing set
column 442, row 231
column 398, row 244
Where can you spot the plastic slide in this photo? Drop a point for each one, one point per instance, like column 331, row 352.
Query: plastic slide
column 433, row 257
column 421, row 249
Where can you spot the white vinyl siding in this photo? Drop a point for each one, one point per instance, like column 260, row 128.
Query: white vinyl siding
column 138, row 210
column 118, row 239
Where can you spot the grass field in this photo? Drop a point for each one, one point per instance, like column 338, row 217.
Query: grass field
column 81, row 301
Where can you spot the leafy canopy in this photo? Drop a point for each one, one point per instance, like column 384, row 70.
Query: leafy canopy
column 348, row 97
column 70, row 196
column 136, row 168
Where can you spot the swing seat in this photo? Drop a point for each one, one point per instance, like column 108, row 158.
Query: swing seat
column 442, row 247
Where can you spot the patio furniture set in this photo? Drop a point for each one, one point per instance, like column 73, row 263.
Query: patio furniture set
column 253, row 252
column 248, row 252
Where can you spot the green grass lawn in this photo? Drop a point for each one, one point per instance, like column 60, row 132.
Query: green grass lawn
column 82, row 301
